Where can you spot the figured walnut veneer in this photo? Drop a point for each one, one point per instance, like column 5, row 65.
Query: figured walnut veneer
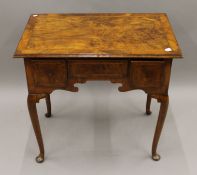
column 135, row 50
column 149, row 74
column 95, row 70
column 48, row 73
column 98, row 35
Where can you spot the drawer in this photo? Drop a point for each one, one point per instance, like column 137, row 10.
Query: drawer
column 93, row 69
column 147, row 74
column 48, row 73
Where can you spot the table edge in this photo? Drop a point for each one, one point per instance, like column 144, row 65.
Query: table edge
column 176, row 54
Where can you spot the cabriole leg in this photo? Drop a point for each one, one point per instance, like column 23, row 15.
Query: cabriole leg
column 31, row 101
column 148, row 103
column 164, row 100
column 48, row 103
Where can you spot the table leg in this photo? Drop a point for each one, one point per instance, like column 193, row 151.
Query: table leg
column 31, row 101
column 164, row 100
column 48, row 103
column 148, row 103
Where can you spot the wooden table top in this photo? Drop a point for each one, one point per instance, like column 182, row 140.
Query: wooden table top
column 98, row 35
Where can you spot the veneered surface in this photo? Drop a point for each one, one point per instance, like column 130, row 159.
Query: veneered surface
column 98, row 35
column 98, row 69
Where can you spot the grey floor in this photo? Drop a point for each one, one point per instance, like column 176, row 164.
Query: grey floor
column 98, row 131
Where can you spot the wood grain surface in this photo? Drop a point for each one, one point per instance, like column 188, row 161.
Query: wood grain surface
column 98, row 35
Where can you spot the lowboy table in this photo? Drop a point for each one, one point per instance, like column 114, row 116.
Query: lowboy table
column 135, row 50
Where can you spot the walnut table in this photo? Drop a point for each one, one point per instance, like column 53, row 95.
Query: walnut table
column 135, row 50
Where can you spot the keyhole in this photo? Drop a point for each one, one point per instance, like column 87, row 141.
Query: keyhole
column 50, row 74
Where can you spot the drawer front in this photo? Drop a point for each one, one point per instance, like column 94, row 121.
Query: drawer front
column 147, row 74
column 90, row 69
column 48, row 73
